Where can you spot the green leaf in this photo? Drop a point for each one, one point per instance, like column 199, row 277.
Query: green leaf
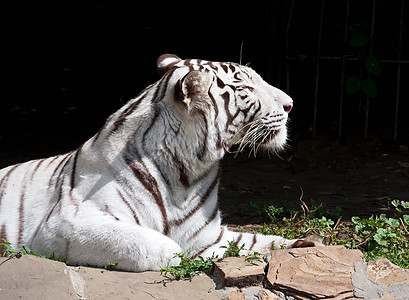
column 392, row 222
column 406, row 219
column 353, row 85
column 356, row 220
column 405, row 204
column 357, row 39
column 395, row 202
column 379, row 236
column 372, row 65
column 25, row 250
column 369, row 87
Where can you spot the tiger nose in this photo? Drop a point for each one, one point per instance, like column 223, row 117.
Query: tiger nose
column 288, row 107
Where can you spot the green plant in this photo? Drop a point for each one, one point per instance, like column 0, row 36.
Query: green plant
column 252, row 257
column 273, row 212
column 378, row 236
column 232, row 250
column 358, row 40
column 111, row 266
column 9, row 251
column 382, row 236
column 188, row 267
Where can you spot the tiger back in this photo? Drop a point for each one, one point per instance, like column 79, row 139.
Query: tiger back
column 145, row 186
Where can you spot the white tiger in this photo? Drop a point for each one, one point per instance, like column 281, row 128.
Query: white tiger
column 145, row 186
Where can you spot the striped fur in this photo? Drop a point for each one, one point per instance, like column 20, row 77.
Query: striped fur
column 145, row 186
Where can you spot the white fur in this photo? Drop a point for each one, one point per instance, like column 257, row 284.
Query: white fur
column 145, row 187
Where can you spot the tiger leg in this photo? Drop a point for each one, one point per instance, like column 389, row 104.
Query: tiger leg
column 97, row 241
column 263, row 244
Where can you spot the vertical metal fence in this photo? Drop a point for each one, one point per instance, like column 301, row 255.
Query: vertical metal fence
column 400, row 61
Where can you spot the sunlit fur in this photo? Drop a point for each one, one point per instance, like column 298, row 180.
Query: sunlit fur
column 145, row 186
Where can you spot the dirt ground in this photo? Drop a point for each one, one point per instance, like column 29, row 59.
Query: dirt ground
column 361, row 178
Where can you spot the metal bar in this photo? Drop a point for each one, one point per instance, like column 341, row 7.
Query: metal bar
column 395, row 132
column 317, row 74
column 369, row 75
column 287, row 46
column 341, row 93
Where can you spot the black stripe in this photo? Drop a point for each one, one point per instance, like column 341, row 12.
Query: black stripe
column 208, row 221
column 210, row 245
column 219, row 144
column 253, row 242
column 63, row 161
column 109, row 212
column 216, row 109
column 3, row 237
column 149, row 181
column 202, row 150
column 58, row 200
column 202, row 201
column 150, row 184
column 226, row 98
column 4, row 181
column 132, row 106
column 211, row 65
column 236, row 242
column 74, row 168
column 220, row 83
column 53, row 159
column 129, row 207
column 36, row 168
column 163, row 86
column 67, row 248
column 21, row 212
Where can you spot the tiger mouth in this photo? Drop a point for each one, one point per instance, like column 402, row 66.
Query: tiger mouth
column 267, row 138
column 259, row 135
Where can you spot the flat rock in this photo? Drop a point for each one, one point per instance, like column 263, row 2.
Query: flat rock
column 32, row 277
column 235, row 271
column 313, row 273
column 380, row 279
column 36, row 278
column 384, row 272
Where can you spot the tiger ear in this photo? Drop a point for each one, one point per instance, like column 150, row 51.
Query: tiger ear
column 194, row 86
column 165, row 62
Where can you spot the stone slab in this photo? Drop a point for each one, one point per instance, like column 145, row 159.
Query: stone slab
column 313, row 273
column 235, row 271
column 380, row 279
column 32, row 277
column 35, row 278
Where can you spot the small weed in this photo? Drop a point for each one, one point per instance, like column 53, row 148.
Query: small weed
column 381, row 236
column 232, row 250
column 376, row 237
column 188, row 267
column 111, row 266
column 252, row 257
column 11, row 252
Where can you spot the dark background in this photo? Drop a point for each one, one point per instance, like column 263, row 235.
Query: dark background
column 68, row 65
column 74, row 63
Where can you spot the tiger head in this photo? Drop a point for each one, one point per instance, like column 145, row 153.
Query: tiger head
column 235, row 104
